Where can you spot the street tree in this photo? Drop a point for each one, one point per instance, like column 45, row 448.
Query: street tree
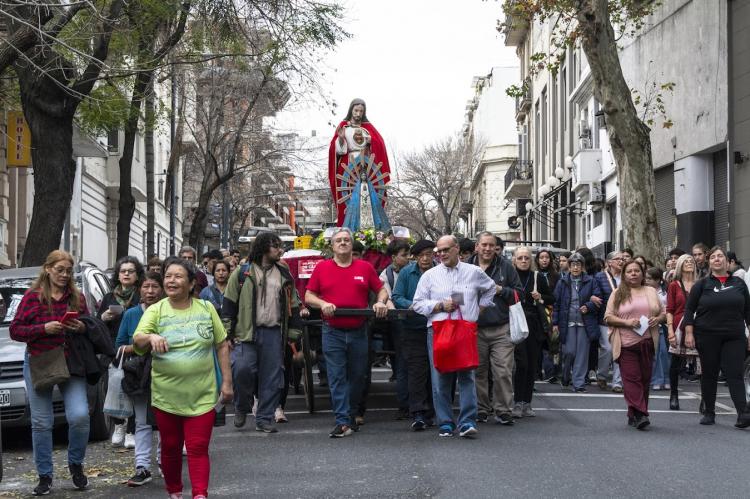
column 59, row 57
column 598, row 25
column 231, row 96
column 430, row 181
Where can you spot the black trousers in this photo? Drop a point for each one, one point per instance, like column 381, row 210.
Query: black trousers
column 414, row 343
column 727, row 353
column 526, row 356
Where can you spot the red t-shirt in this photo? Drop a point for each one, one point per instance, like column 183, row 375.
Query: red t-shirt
column 345, row 287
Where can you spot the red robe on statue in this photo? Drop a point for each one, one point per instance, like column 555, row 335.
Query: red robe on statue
column 337, row 163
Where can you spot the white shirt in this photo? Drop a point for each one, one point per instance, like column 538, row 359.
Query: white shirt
column 439, row 283
column 384, row 280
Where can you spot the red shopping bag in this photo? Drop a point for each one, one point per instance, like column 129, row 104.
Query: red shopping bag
column 454, row 345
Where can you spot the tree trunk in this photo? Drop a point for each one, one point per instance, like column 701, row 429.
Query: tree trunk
column 126, row 203
column 149, row 147
column 628, row 135
column 54, row 166
column 197, row 228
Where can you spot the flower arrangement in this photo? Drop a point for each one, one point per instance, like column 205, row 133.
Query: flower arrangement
column 371, row 239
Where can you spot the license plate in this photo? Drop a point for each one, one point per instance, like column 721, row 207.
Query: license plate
column 4, row 398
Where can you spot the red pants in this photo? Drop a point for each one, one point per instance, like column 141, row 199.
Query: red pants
column 636, row 363
column 195, row 432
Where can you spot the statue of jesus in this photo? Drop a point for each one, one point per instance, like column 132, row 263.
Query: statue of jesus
column 358, row 171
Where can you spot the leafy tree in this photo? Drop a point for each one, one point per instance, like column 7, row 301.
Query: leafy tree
column 597, row 25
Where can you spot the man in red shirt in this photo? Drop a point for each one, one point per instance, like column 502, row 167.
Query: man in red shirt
column 343, row 282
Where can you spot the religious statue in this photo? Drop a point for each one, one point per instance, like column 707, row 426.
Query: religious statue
column 358, row 171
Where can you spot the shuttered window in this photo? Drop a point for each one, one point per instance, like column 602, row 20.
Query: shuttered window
column 664, row 189
column 721, row 201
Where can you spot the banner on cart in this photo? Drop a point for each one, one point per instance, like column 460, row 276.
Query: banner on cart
column 305, row 268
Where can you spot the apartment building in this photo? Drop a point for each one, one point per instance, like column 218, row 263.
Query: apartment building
column 573, row 193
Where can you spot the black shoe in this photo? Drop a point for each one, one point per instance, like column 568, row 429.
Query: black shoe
column 674, row 402
column 708, row 418
column 641, row 422
column 340, row 431
column 80, row 481
column 504, row 419
column 580, row 390
column 482, row 417
column 553, row 380
column 239, row 419
column 418, row 424
column 142, row 476
column 44, row 487
column 265, row 427
column 743, row 420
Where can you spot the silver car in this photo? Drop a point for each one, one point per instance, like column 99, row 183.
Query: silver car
column 14, row 405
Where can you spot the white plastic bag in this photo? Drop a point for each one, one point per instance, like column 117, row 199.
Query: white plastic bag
column 117, row 403
column 519, row 328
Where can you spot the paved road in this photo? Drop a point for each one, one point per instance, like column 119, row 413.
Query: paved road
column 577, row 446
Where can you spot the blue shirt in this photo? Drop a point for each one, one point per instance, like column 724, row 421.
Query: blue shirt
column 130, row 320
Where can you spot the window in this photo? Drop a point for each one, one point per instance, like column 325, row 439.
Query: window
column 598, row 218
column 537, row 127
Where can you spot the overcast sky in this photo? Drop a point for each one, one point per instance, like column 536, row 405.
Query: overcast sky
column 412, row 61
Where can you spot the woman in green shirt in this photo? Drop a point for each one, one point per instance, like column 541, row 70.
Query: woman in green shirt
column 186, row 338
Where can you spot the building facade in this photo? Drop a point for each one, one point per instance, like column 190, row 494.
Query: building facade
column 563, row 139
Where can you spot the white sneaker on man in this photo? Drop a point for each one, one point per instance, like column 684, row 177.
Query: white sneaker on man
column 118, row 436
column 129, row 441
column 279, row 415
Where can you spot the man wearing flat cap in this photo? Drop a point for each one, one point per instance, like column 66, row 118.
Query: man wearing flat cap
column 414, row 336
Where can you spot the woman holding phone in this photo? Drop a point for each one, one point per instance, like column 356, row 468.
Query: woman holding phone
column 186, row 339
column 151, row 291
column 124, row 295
column 39, row 323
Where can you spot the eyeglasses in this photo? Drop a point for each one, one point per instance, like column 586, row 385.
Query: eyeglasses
column 523, row 258
column 440, row 251
column 127, row 271
column 63, row 270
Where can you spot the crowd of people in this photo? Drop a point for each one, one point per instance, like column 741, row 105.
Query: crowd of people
column 197, row 337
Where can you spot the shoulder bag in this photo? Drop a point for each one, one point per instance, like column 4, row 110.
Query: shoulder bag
column 49, row 368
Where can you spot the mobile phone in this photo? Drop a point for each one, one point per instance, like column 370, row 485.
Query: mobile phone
column 69, row 316
column 115, row 309
column 457, row 297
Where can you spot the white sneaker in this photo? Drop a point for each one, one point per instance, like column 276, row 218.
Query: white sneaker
column 129, row 441
column 280, row 416
column 118, row 436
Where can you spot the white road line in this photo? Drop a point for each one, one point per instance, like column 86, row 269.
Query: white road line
column 548, row 409
column 725, row 407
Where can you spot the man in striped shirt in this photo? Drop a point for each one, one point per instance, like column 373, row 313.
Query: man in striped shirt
column 451, row 286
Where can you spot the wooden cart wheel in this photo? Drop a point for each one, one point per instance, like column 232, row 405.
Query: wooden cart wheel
column 307, row 374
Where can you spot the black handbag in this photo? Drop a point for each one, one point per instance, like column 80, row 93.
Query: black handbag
column 48, row 368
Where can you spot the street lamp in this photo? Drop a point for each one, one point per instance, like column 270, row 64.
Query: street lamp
column 543, row 190
column 559, row 172
column 553, row 182
column 529, row 207
column 569, row 162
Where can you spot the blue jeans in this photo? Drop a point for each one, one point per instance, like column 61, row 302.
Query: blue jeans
column 76, row 414
column 661, row 360
column 442, row 393
column 259, row 366
column 576, row 353
column 346, row 352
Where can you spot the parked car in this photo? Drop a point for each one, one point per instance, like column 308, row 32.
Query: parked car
column 14, row 407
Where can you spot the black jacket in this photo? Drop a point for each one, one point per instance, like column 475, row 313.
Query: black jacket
column 715, row 309
column 502, row 272
column 84, row 348
column 114, row 325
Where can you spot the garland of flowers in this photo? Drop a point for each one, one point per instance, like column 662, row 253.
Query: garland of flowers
column 370, row 238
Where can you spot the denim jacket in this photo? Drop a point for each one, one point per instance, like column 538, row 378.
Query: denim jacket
column 563, row 291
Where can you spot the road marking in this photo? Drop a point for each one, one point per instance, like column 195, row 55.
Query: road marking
column 718, row 404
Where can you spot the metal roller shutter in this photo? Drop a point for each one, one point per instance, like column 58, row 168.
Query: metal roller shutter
column 721, row 200
column 665, row 214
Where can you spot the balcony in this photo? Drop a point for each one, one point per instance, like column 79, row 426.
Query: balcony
column 523, row 104
column 519, row 179
column 514, row 28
